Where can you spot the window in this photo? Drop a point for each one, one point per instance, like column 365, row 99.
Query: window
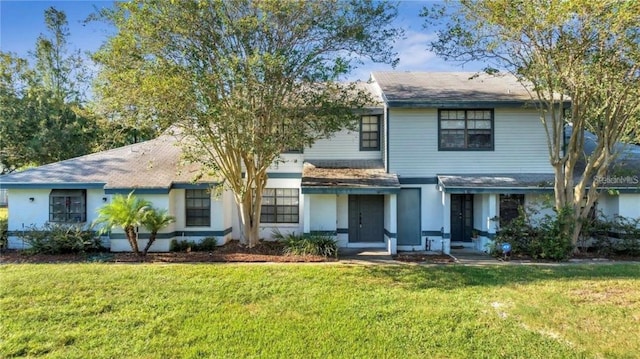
column 370, row 133
column 280, row 205
column 509, row 205
column 68, row 206
column 465, row 130
column 198, row 206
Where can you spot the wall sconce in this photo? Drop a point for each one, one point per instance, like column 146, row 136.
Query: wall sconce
column 31, row 199
column 104, row 199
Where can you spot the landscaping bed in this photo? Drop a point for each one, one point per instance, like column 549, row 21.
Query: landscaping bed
column 230, row 252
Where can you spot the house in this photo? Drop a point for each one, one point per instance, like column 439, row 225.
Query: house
column 439, row 158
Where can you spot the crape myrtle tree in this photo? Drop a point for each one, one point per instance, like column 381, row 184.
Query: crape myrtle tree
column 581, row 52
column 243, row 81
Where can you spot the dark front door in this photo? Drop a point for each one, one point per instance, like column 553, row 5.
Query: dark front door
column 366, row 218
column 409, row 228
column 461, row 217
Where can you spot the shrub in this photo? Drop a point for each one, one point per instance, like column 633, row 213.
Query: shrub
column 542, row 238
column 612, row 236
column 628, row 232
column 310, row 244
column 60, row 239
column 3, row 233
column 180, row 246
column 207, row 244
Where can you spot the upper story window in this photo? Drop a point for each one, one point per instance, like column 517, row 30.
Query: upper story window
column 68, row 206
column 198, row 207
column 370, row 133
column 280, row 205
column 465, row 130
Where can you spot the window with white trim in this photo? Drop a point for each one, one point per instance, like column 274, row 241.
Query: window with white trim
column 280, row 205
column 465, row 130
column 68, row 206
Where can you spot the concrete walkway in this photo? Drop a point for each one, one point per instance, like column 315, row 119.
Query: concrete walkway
column 366, row 256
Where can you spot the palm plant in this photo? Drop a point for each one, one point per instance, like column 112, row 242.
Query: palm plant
column 125, row 212
column 155, row 220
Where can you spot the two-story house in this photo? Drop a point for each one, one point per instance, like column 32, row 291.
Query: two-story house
column 436, row 161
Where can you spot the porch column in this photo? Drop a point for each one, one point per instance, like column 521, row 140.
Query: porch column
column 306, row 213
column 392, row 244
column 493, row 213
column 446, row 223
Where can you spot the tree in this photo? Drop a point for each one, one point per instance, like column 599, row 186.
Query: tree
column 42, row 116
column 243, row 80
column 130, row 212
column 155, row 220
column 581, row 52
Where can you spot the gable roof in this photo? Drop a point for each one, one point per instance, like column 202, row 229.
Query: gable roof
column 154, row 164
column 450, row 89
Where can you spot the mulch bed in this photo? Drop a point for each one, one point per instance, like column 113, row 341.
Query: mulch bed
column 424, row 258
column 230, row 252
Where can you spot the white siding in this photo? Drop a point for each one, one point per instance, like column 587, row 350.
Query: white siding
column 342, row 202
column 608, row 204
column 323, row 212
column 629, row 206
column 519, row 145
column 289, row 163
column 343, row 145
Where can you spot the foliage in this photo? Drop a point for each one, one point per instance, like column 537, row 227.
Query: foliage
column 155, row 220
column 53, row 238
column 4, row 227
column 130, row 212
column 43, row 119
column 540, row 236
column 308, row 244
column 256, row 78
column 197, row 311
column 583, row 52
column 207, row 244
column 617, row 235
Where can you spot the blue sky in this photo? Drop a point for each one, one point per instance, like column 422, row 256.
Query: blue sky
column 22, row 21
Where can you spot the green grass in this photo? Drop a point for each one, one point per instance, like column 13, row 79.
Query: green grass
column 321, row 311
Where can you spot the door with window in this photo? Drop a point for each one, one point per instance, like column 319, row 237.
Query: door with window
column 366, row 218
column 461, row 217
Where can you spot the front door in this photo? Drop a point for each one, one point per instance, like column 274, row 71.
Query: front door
column 366, row 218
column 409, row 228
column 461, row 217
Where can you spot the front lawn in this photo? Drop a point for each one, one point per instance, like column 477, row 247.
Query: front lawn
column 326, row 310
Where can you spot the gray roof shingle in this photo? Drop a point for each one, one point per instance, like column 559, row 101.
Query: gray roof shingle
column 347, row 174
column 152, row 164
column 452, row 87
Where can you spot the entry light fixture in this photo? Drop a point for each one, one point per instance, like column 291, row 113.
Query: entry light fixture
column 31, row 199
column 104, row 199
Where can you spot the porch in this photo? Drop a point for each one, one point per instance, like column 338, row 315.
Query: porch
column 355, row 201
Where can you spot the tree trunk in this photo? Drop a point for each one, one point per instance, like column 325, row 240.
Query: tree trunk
column 133, row 239
column 250, row 219
column 152, row 238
